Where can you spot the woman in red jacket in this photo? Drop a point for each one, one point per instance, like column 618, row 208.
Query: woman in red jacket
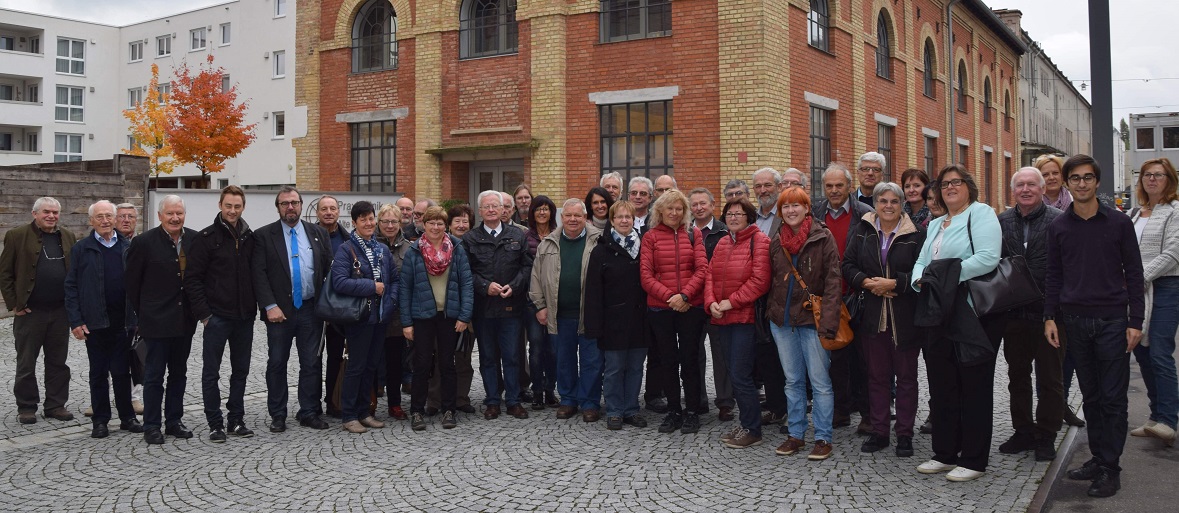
column 739, row 274
column 672, row 265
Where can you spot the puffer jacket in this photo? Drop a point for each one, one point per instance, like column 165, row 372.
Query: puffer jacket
column 546, row 275
column 861, row 261
column 348, row 255
column 398, row 247
column 672, row 262
column 1032, row 228
column 416, row 296
column 818, row 263
column 740, row 272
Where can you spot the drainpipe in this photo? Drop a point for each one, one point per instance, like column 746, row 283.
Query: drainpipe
column 950, row 64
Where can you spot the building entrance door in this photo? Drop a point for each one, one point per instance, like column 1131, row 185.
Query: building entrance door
column 496, row 175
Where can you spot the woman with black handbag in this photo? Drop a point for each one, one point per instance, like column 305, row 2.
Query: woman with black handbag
column 363, row 267
column 877, row 266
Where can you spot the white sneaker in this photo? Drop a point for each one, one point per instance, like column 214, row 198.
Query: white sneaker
column 1162, row 432
column 963, row 474
column 934, row 467
column 1141, row 430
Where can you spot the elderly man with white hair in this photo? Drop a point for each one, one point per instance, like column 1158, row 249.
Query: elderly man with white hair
column 612, row 182
column 870, row 171
column 767, row 183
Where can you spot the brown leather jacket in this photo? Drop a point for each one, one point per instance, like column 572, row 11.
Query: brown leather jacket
column 818, row 263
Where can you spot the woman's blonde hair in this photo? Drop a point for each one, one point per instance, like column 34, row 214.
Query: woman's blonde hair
column 1169, row 191
column 1046, row 158
column 664, row 201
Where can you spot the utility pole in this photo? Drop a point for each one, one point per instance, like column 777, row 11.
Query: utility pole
column 1100, row 70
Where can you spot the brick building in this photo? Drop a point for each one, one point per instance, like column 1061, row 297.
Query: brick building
column 442, row 98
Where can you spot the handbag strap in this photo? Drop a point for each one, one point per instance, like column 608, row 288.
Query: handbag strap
column 797, row 276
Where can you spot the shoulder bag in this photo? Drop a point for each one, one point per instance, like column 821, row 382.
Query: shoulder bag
column 844, row 335
column 337, row 308
column 1009, row 286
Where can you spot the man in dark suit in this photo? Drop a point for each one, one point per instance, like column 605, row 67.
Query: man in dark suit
column 291, row 258
column 156, row 263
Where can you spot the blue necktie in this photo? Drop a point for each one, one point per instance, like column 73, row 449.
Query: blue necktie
column 296, row 271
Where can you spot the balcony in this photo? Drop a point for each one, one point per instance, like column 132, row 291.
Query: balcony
column 20, row 89
column 19, row 140
column 16, row 39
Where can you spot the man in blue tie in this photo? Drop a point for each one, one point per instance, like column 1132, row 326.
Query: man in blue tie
column 291, row 258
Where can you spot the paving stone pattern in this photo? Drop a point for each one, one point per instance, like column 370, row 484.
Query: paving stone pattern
column 538, row 464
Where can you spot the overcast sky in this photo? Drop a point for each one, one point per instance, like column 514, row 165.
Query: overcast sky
column 1061, row 27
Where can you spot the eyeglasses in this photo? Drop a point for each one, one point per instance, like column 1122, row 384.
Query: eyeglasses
column 791, row 183
column 734, row 214
column 956, row 182
column 870, row 169
column 285, row 204
column 419, row 214
column 489, row 207
column 389, row 222
column 106, row 217
column 735, row 194
column 641, row 194
column 436, row 224
column 1088, row 178
column 1154, row 176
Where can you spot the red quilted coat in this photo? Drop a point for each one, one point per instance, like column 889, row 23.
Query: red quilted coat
column 672, row 263
column 740, row 272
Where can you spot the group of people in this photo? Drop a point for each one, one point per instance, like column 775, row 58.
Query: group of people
column 625, row 288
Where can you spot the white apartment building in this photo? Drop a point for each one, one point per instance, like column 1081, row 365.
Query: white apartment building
column 65, row 83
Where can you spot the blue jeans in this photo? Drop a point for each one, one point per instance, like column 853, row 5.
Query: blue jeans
column 306, row 330
column 240, row 336
column 170, row 355
column 365, row 347
column 498, row 338
column 542, row 357
column 1098, row 347
column 1158, row 360
column 737, row 344
column 622, row 379
column 803, row 356
column 579, row 367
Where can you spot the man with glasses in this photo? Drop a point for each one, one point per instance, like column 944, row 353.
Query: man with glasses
column 870, row 171
column 736, row 190
column 291, row 258
column 500, row 268
column 663, row 184
column 1094, row 291
column 639, row 191
column 419, row 210
column 793, row 178
column 126, row 220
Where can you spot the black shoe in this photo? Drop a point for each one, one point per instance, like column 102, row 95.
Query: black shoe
column 840, row 421
column 1046, row 449
column 131, row 425
column 657, row 405
column 1019, row 442
column 526, row 396
column 217, row 435
column 537, row 402
column 927, row 427
column 1071, row 418
column 690, row 424
column 178, row 430
column 1087, row 472
column 784, row 429
column 239, row 429
column 313, row 422
column 550, row 399
column 448, row 420
column 153, row 437
column 614, row 423
column 904, row 446
column 466, row 408
column 1107, row 484
column 874, row 443
column 100, row 430
column 635, row 420
column 417, row 422
column 671, row 422
column 278, row 425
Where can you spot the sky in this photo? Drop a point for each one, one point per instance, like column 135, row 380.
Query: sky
column 1138, row 27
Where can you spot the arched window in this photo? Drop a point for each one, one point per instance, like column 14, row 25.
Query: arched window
column 961, row 84
column 817, row 23
column 1007, row 110
column 487, row 27
column 374, row 37
column 883, row 52
column 623, row 20
column 930, row 69
column 987, row 99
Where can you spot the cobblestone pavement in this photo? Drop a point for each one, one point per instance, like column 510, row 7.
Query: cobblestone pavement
column 538, row 464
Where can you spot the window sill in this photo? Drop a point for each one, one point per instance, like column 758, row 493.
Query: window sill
column 828, row 52
column 278, row 77
column 888, row 79
column 164, row 55
column 278, row 138
column 478, row 57
column 201, row 49
column 20, row 102
column 635, row 38
column 931, row 97
column 366, row 71
column 19, row 152
column 83, row 75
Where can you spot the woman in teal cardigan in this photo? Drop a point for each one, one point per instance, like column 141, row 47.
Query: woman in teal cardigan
column 962, row 395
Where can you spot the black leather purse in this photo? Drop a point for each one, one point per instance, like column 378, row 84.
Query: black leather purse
column 1009, row 286
column 334, row 307
column 855, row 307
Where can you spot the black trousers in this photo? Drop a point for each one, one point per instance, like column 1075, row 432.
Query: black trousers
column 334, row 347
column 394, row 368
column 767, row 367
column 1024, row 346
column 849, row 380
column 107, row 351
column 238, row 334
column 963, row 402
column 433, row 338
column 1098, row 347
column 677, row 335
column 170, row 355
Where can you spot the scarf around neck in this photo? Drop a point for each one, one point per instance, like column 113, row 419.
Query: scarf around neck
column 437, row 258
column 369, row 247
column 792, row 241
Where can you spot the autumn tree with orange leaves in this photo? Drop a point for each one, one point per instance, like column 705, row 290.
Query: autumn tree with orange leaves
column 149, row 120
column 206, row 126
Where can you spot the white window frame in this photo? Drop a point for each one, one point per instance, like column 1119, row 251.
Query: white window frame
column 135, row 47
column 11, row 138
column 8, row 43
column 69, row 106
column 31, row 141
column 193, row 34
column 67, row 155
column 164, row 49
column 1163, row 133
column 11, row 90
column 34, row 93
column 132, row 143
column 165, row 89
column 70, row 59
column 134, row 97
column 279, row 67
column 226, row 34
column 1138, row 140
column 278, row 122
column 280, row 8
column 226, row 83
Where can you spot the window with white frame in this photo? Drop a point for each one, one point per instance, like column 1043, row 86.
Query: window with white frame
column 226, row 84
column 280, row 124
column 69, row 104
column 197, row 39
column 134, row 97
column 34, row 94
column 164, row 89
column 280, row 8
column 5, row 141
column 1144, row 138
column 280, row 63
column 1170, row 137
column 225, row 34
column 67, row 147
column 71, row 56
column 622, row 20
column 7, row 43
column 132, row 143
column 135, row 51
column 32, row 141
column 163, row 46
column 6, row 92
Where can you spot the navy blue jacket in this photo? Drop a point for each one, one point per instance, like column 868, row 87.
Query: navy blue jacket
column 365, row 286
column 85, row 290
column 417, row 298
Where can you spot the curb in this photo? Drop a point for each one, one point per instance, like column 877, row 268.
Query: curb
column 1057, row 469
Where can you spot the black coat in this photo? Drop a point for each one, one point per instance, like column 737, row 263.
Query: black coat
column 85, row 285
column 1015, row 226
column 861, row 261
column 615, row 303
column 271, row 266
column 942, row 305
column 218, row 279
column 504, row 260
column 155, row 286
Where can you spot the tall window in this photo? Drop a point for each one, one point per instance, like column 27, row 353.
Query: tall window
column 987, row 99
column 883, row 52
column 280, row 125
column 636, row 138
column 280, row 64
column 32, row 139
column 988, row 175
column 163, row 46
column 135, row 51
column 226, row 84
column 226, row 34
column 962, row 151
column 69, row 104
column 817, row 25
column 280, row 8
column 1007, row 111
column 5, row 141
column 1007, row 174
column 930, row 70
column 622, row 20
column 134, row 97
column 164, row 89
column 961, row 85
column 930, row 156
column 67, row 147
column 884, row 136
column 374, row 156
column 374, row 37
column 71, row 56
column 487, row 27
column 820, row 147
column 198, row 39
column 7, row 92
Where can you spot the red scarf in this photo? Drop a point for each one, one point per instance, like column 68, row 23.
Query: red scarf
column 792, row 241
column 437, row 258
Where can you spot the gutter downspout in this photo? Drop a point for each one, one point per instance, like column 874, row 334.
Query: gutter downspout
column 952, row 107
